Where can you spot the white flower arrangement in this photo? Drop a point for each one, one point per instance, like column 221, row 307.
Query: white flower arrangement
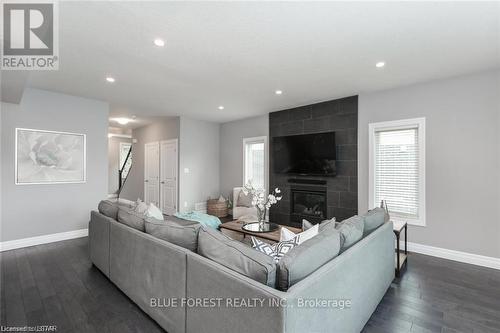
column 260, row 200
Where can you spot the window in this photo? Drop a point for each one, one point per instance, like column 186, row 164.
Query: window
column 397, row 168
column 124, row 149
column 255, row 161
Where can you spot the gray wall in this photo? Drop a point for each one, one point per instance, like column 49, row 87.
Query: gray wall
column 199, row 152
column 34, row 210
column 462, row 157
column 231, row 149
column 114, row 162
column 164, row 128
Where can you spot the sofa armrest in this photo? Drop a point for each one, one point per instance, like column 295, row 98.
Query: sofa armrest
column 99, row 241
column 209, row 280
column 360, row 275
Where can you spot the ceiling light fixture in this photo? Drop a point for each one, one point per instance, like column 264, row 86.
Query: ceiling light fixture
column 122, row 121
column 278, row 92
column 159, row 42
column 221, row 107
column 110, row 79
column 380, row 64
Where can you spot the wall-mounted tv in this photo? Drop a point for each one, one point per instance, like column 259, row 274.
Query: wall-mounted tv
column 306, row 154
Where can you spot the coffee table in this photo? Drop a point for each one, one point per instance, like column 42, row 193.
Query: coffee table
column 273, row 236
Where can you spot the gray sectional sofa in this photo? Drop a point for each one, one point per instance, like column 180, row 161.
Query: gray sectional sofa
column 340, row 296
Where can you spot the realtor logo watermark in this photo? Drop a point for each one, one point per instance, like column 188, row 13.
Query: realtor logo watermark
column 30, row 34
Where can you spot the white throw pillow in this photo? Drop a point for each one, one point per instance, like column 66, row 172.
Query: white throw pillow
column 140, row 207
column 287, row 235
column 306, row 224
column 154, row 212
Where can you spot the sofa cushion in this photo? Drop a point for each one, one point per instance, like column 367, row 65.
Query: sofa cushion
column 351, row 231
column 108, row 208
column 237, row 256
column 174, row 230
column 374, row 219
column 131, row 218
column 306, row 258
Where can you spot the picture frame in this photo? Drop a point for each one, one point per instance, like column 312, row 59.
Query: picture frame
column 50, row 157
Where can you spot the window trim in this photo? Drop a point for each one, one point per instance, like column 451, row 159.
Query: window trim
column 257, row 139
column 418, row 123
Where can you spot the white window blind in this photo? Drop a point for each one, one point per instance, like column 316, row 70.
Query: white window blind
column 397, row 171
column 254, row 168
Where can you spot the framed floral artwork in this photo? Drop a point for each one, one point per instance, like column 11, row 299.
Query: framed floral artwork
column 49, row 157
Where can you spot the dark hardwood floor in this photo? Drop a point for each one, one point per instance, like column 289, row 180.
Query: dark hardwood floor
column 55, row 284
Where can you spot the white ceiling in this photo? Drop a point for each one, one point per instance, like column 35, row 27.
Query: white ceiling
column 237, row 54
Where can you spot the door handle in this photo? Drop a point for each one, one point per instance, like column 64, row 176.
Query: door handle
column 163, row 182
column 146, row 181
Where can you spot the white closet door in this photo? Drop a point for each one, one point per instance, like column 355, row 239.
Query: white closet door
column 152, row 173
column 168, row 176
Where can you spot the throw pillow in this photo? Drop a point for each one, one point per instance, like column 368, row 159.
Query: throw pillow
column 244, row 200
column 140, row 206
column 307, row 225
column 154, row 212
column 351, row 230
column 276, row 251
column 287, row 235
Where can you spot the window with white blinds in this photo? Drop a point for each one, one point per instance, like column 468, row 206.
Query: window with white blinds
column 397, row 169
column 254, row 150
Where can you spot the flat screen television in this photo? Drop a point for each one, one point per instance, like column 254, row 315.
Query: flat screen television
column 306, row 154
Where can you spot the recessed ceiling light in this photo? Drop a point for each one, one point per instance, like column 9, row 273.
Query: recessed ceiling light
column 110, row 79
column 380, row 64
column 278, row 92
column 221, row 107
column 159, row 42
column 122, row 121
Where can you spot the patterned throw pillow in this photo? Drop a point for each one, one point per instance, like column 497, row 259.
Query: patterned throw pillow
column 277, row 251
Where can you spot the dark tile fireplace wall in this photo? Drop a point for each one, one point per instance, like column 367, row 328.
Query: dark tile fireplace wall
column 341, row 116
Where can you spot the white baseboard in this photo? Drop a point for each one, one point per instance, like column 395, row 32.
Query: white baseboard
column 32, row 241
column 468, row 258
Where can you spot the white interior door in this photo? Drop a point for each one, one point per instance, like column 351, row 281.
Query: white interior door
column 168, row 176
column 152, row 173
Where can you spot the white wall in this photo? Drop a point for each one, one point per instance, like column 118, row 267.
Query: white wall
column 462, row 157
column 34, row 210
column 231, row 149
column 198, row 152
